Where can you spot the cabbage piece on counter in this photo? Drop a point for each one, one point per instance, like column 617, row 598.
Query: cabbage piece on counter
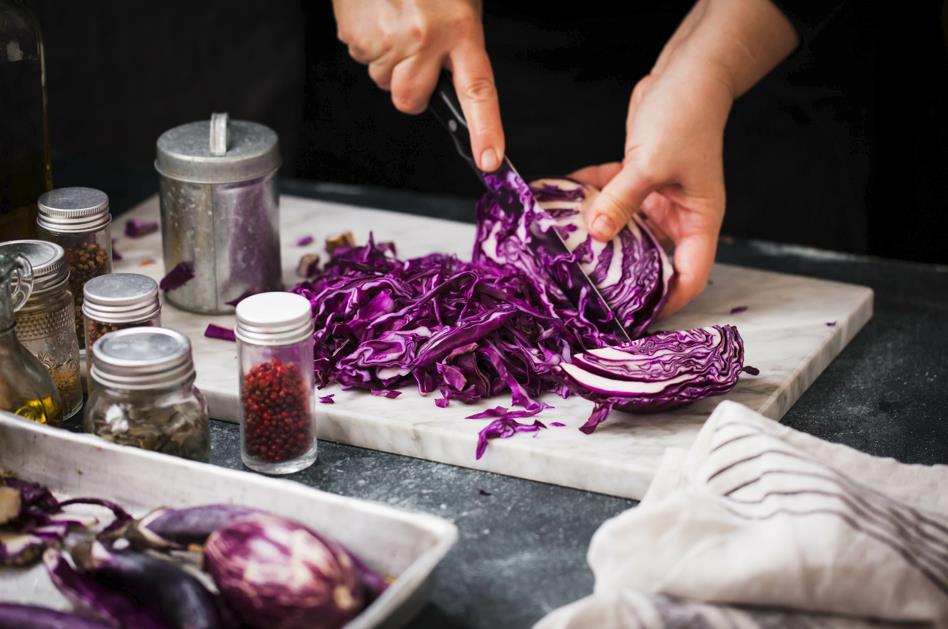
column 656, row 373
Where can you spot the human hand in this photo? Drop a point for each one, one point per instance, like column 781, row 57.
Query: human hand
column 672, row 172
column 406, row 43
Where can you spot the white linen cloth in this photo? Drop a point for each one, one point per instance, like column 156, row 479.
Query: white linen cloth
column 759, row 525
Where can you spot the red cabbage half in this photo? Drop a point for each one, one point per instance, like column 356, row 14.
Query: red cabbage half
column 658, row 372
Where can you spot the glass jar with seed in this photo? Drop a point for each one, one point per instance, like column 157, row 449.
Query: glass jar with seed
column 275, row 345
column 78, row 220
column 45, row 323
column 117, row 301
column 144, row 393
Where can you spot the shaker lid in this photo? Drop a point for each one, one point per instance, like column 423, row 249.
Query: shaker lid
column 75, row 209
column 218, row 150
column 50, row 270
column 142, row 358
column 121, row 298
column 274, row 319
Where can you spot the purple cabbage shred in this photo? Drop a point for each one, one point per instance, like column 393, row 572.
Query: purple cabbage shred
column 213, row 331
column 181, row 274
column 137, row 228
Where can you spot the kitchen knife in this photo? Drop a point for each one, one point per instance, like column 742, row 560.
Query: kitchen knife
column 446, row 108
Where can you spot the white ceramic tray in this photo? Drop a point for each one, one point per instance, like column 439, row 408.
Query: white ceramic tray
column 392, row 541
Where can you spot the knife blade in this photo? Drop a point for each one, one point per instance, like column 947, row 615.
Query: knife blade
column 446, row 108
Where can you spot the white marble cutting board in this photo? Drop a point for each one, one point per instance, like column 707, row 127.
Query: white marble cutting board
column 784, row 327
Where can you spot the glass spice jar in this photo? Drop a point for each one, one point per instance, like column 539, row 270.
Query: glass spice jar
column 144, row 393
column 78, row 220
column 117, row 301
column 45, row 323
column 277, row 412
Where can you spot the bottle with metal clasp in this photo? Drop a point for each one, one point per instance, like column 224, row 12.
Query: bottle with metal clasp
column 26, row 390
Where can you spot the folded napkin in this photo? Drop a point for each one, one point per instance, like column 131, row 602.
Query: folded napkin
column 759, row 525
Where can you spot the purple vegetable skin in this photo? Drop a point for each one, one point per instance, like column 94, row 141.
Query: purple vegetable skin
column 93, row 599
column 14, row 616
column 156, row 584
column 276, row 573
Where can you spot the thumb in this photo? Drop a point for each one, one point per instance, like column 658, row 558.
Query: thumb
column 617, row 202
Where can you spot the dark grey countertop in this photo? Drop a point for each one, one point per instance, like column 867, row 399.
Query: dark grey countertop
column 522, row 545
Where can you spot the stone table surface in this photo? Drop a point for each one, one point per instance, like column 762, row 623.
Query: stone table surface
column 522, row 546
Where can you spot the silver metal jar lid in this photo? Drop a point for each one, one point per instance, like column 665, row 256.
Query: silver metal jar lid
column 121, row 298
column 274, row 319
column 73, row 210
column 218, row 150
column 50, row 270
column 142, row 358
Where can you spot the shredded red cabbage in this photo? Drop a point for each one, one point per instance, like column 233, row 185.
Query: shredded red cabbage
column 327, row 399
column 503, row 428
column 303, row 241
column 137, row 228
column 499, row 323
column 181, row 274
column 213, row 331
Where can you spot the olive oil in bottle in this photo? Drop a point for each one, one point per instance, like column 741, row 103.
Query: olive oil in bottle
column 25, row 171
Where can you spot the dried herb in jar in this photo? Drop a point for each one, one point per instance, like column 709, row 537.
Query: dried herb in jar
column 277, row 417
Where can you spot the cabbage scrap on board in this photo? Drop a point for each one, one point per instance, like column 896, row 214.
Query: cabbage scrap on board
column 499, row 323
column 656, row 373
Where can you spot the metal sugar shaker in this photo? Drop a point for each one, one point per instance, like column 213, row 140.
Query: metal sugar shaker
column 220, row 211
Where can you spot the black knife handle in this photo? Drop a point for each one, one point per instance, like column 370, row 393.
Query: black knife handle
column 446, row 108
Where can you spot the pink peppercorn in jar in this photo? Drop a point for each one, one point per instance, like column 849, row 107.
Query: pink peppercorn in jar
column 277, row 411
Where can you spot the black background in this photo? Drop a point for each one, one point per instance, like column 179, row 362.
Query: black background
column 843, row 147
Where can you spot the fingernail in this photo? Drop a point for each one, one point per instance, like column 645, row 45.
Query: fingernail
column 603, row 225
column 489, row 160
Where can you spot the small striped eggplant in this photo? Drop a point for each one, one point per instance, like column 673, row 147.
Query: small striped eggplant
column 15, row 616
column 175, row 596
column 176, row 529
column 96, row 600
column 276, row 573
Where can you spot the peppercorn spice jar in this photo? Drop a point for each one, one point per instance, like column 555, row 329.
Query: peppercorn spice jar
column 45, row 324
column 78, row 220
column 117, row 301
column 219, row 211
column 144, row 393
column 277, row 412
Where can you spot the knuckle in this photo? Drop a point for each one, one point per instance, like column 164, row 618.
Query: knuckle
column 480, row 90
column 419, row 31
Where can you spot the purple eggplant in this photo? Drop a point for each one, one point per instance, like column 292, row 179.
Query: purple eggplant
column 94, row 599
column 168, row 591
column 278, row 574
column 14, row 616
column 176, row 529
